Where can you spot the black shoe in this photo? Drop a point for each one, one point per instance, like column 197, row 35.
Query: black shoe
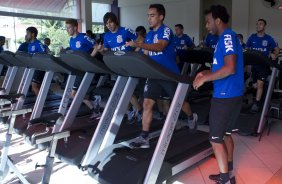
column 221, row 182
column 216, row 177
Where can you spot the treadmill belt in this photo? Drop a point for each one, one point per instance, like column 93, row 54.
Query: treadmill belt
column 129, row 131
column 30, row 99
column 77, row 144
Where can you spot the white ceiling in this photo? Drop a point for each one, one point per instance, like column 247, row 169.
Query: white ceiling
column 38, row 5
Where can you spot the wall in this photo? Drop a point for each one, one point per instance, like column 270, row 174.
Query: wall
column 189, row 12
column 272, row 16
column 206, row 5
column 134, row 13
column 240, row 17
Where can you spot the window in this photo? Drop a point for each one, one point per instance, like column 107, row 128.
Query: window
column 51, row 8
column 98, row 12
column 14, row 29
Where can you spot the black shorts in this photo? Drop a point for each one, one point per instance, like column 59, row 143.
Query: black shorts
column 139, row 90
column 155, row 88
column 38, row 76
column 223, row 117
column 260, row 73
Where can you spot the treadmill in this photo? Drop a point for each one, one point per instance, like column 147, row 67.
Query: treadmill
column 15, row 69
column 49, row 64
column 88, row 65
column 253, row 124
column 17, row 72
column 75, row 153
column 171, row 153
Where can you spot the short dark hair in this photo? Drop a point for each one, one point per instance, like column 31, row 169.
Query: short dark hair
column 32, row 30
column 89, row 32
column 218, row 11
column 141, row 30
column 110, row 16
column 2, row 38
column 72, row 22
column 240, row 36
column 180, row 26
column 160, row 9
column 263, row 20
column 47, row 39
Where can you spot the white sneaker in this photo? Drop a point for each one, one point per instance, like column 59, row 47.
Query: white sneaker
column 139, row 117
column 192, row 124
column 96, row 102
column 140, row 142
column 131, row 115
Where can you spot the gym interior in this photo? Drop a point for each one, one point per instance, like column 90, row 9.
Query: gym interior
column 70, row 116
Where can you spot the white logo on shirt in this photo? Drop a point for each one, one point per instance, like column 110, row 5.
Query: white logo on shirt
column 120, row 48
column 77, row 44
column 119, row 39
column 130, row 30
column 166, row 33
column 33, row 48
column 228, row 43
column 264, row 43
column 156, row 38
column 146, row 88
column 214, row 61
column 89, row 39
column 182, row 42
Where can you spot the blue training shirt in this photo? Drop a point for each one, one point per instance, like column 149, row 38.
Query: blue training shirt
column 263, row 44
column 116, row 41
column 167, row 57
column 23, row 47
column 180, row 42
column 233, row 85
column 211, row 40
column 82, row 42
column 35, row 46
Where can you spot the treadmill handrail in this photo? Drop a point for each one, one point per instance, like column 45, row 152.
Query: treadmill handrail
column 254, row 57
column 84, row 62
column 9, row 57
column 129, row 63
column 198, row 55
column 54, row 64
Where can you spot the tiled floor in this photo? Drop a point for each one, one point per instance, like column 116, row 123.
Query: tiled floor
column 255, row 163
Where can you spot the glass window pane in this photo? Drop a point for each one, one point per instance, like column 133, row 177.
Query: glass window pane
column 98, row 11
column 14, row 29
column 69, row 10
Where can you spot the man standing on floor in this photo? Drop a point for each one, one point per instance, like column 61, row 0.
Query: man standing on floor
column 227, row 74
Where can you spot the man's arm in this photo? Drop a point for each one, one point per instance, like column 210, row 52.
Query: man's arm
column 275, row 53
column 229, row 68
column 156, row 47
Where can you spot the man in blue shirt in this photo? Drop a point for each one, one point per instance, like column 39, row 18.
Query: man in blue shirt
column 80, row 41
column 159, row 45
column 211, row 41
column 35, row 46
column 227, row 75
column 2, row 42
column 241, row 39
column 47, row 42
column 267, row 46
column 115, row 40
column 182, row 42
column 23, row 46
column 117, row 36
